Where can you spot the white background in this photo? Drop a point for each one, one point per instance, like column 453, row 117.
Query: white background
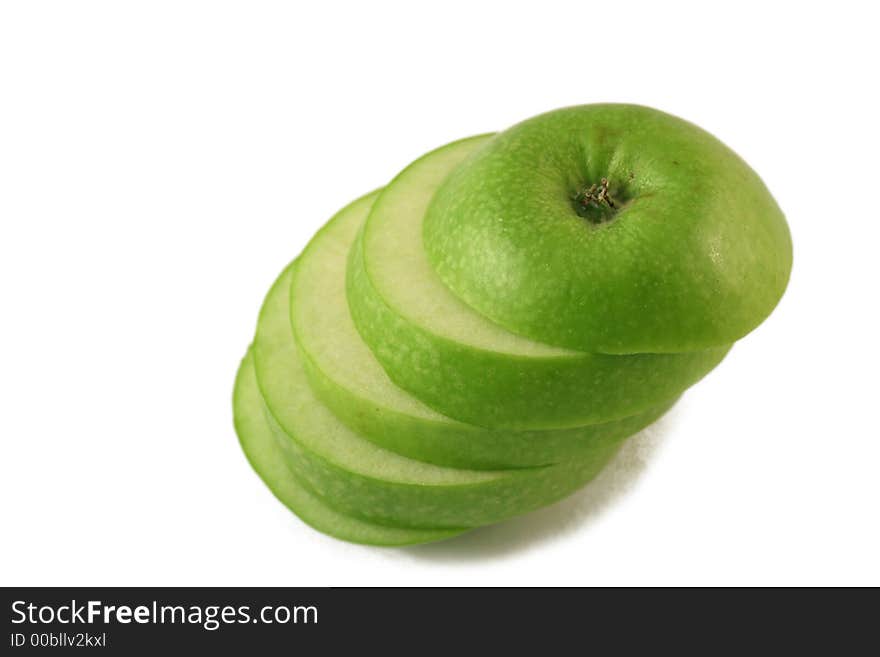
column 160, row 162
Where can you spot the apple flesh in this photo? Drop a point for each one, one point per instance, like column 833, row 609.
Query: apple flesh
column 358, row 478
column 345, row 375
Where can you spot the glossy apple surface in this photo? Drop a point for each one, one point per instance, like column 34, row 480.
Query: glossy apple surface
column 686, row 249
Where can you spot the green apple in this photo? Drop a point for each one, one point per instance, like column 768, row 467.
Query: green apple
column 347, row 378
column 612, row 229
column 465, row 366
column 476, row 340
column 357, row 477
column 269, row 461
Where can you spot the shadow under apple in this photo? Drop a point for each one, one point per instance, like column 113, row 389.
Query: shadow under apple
column 573, row 513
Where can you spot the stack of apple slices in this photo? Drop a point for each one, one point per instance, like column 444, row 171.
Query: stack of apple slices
column 387, row 400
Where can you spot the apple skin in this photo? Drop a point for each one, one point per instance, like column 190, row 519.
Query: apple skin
column 696, row 256
column 347, row 378
column 513, row 386
column 357, row 478
column 269, row 462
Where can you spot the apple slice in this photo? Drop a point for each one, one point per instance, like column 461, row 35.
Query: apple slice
column 268, row 461
column 357, row 477
column 463, row 365
column 611, row 228
column 346, row 376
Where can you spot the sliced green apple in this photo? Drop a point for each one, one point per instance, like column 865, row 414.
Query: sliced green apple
column 611, row 228
column 346, row 376
column 359, row 478
column 463, row 365
column 269, row 461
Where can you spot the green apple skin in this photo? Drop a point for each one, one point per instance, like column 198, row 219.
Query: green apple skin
column 269, row 462
column 347, row 378
column 358, row 478
column 697, row 254
column 463, row 365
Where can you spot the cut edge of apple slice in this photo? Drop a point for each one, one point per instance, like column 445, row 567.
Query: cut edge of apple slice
column 322, row 323
column 292, row 402
column 346, row 376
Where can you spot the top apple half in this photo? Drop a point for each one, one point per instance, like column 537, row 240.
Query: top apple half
column 611, row 229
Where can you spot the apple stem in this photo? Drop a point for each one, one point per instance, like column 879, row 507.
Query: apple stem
column 596, row 196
